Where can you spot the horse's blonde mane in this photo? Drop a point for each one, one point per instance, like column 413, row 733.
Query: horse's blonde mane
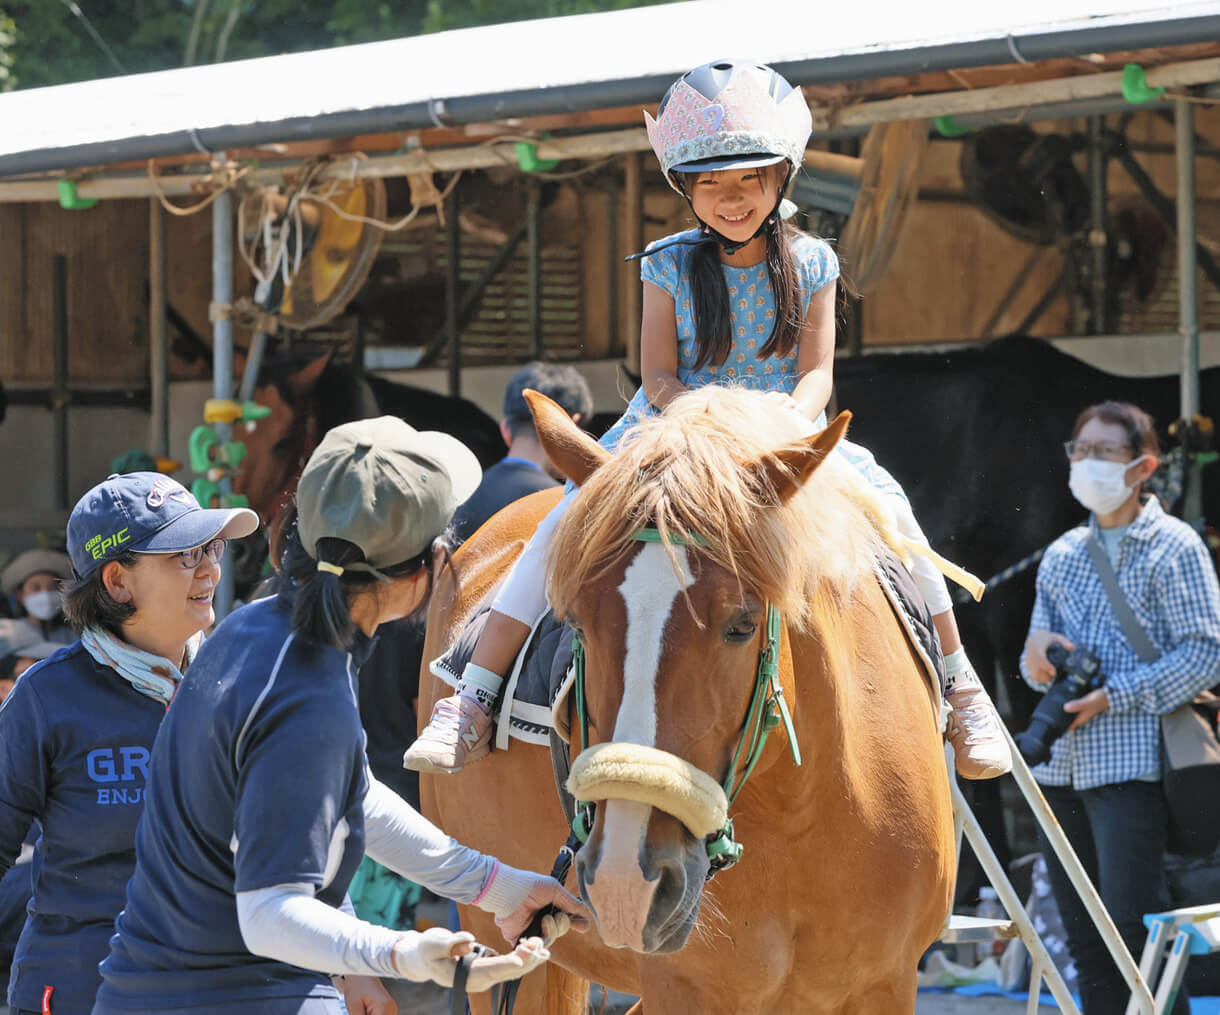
column 685, row 472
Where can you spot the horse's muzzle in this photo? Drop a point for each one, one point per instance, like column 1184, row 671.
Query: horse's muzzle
column 643, row 876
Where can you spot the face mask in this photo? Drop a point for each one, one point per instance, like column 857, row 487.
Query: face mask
column 43, row 605
column 1101, row 486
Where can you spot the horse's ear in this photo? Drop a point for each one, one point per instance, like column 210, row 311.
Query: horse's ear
column 787, row 470
column 573, row 452
column 306, row 379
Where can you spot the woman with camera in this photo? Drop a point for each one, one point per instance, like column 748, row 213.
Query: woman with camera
column 1103, row 776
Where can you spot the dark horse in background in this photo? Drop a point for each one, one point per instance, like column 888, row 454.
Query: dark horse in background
column 308, row 395
column 976, row 438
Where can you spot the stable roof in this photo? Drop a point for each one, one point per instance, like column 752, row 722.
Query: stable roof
column 556, row 65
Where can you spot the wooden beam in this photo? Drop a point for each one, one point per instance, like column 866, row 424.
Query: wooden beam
column 184, row 187
column 987, row 100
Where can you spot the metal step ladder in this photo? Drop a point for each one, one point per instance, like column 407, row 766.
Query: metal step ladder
column 964, row 928
column 978, row 929
column 1193, row 930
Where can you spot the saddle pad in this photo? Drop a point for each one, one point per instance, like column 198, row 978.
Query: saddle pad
column 540, row 669
column 916, row 619
column 541, row 675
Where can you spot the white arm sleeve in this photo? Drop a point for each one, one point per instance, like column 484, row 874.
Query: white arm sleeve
column 288, row 924
column 399, row 837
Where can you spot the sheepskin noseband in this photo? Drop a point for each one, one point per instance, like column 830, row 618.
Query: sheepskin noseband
column 646, row 775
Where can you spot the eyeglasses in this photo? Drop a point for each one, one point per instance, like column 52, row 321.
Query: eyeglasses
column 1107, row 451
column 192, row 558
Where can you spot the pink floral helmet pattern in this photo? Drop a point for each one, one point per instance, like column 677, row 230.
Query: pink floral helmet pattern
column 727, row 115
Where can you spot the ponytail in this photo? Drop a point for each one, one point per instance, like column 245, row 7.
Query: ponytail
column 321, row 608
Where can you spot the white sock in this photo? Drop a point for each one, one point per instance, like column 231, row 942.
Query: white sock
column 959, row 672
column 481, row 686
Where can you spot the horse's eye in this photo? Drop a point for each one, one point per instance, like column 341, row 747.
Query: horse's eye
column 283, row 448
column 741, row 629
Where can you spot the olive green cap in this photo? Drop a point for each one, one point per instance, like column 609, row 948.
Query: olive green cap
column 385, row 486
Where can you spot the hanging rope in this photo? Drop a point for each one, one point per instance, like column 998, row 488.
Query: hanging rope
column 223, row 177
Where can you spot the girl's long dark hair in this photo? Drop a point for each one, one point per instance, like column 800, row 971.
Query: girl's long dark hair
column 710, row 294
column 321, row 607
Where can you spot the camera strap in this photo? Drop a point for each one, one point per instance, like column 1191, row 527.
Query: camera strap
column 1127, row 619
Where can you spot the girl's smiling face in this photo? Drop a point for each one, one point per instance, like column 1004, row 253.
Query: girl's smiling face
column 735, row 202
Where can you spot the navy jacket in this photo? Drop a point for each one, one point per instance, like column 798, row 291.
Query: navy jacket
column 75, row 742
column 258, row 779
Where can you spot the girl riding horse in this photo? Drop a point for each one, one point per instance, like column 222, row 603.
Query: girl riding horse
column 744, row 300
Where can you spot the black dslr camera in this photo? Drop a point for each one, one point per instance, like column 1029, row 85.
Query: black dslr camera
column 1076, row 674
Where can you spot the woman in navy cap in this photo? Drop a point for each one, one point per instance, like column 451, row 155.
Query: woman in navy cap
column 260, row 802
column 76, row 733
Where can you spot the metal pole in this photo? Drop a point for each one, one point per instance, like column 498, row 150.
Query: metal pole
column 612, row 302
column 533, row 215
column 158, row 333
column 222, row 360
column 633, row 207
column 453, row 281
column 1188, row 290
column 59, row 392
column 1097, row 227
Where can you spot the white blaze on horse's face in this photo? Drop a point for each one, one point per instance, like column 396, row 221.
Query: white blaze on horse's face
column 620, row 892
column 650, row 589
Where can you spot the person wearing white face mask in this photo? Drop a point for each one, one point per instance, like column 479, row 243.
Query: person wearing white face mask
column 33, row 579
column 1103, row 777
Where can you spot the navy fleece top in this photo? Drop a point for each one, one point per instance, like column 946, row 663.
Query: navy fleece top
column 258, row 779
column 75, row 742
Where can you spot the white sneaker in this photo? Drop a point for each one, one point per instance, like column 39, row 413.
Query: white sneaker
column 979, row 748
column 458, row 733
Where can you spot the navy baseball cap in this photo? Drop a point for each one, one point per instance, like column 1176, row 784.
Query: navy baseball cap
column 145, row 512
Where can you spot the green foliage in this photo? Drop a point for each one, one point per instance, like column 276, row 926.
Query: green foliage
column 43, row 42
column 8, row 38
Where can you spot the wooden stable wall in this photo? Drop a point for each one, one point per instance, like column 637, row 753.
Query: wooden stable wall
column 953, row 265
column 107, row 280
column 949, row 273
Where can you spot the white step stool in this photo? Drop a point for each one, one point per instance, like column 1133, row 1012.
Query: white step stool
column 1195, row 931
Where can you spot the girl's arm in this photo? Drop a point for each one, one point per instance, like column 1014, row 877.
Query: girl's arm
column 815, row 358
column 659, row 348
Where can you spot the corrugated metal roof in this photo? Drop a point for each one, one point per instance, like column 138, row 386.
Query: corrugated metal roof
column 551, row 65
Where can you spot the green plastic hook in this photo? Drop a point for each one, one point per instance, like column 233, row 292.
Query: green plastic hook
column 200, row 445
column 204, row 490
column 70, row 200
column 946, row 126
column 527, row 158
column 1135, row 86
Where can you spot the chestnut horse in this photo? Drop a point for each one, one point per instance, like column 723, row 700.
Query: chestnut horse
column 668, row 563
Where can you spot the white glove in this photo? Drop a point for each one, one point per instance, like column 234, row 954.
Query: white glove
column 433, row 955
column 515, row 895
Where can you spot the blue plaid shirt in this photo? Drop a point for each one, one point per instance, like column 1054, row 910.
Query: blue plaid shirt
column 1167, row 576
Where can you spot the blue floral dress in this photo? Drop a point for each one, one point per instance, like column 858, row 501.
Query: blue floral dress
column 752, row 302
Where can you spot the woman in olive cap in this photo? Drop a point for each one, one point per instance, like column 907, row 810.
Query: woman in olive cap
column 260, row 802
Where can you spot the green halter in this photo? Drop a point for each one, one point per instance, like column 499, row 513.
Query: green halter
column 768, row 708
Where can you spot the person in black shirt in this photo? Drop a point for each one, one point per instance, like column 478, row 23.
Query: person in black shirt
column 526, row 468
